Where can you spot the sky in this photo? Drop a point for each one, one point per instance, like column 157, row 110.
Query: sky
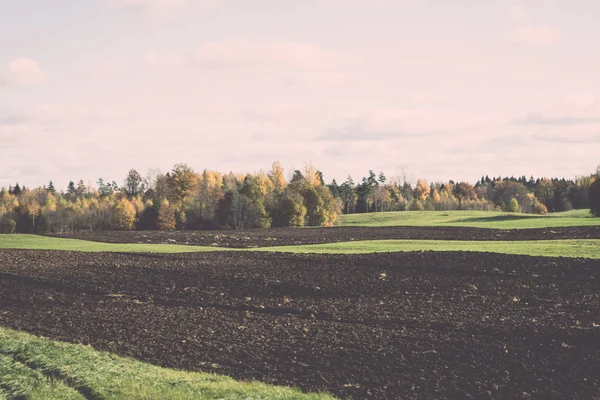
column 439, row 89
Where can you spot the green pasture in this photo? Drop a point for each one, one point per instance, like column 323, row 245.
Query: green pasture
column 574, row 248
column 474, row 219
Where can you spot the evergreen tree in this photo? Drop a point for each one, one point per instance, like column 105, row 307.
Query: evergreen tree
column 51, row 188
column 17, row 190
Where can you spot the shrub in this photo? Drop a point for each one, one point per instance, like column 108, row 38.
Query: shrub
column 539, row 208
column 416, row 205
column 7, row 225
column 513, row 206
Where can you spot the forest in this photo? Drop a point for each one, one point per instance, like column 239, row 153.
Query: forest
column 185, row 199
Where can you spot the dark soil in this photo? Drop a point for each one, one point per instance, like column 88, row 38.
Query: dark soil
column 378, row 326
column 294, row 236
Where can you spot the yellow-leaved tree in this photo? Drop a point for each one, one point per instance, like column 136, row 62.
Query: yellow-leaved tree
column 166, row 217
column 124, row 214
column 422, row 190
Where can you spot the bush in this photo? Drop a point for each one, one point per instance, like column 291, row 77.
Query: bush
column 416, row 205
column 539, row 208
column 513, row 206
column 428, row 206
column 7, row 225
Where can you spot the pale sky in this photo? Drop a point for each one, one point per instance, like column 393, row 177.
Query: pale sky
column 440, row 89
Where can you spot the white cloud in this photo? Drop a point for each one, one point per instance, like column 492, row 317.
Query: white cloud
column 157, row 5
column 395, row 123
column 22, row 71
column 519, row 16
column 534, row 36
column 243, row 53
column 581, row 99
column 525, row 33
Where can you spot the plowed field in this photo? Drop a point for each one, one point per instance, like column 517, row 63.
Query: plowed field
column 377, row 326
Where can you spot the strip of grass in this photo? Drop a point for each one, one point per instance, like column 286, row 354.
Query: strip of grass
column 574, row 248
column 474, row 219
column 35, row 242
column 37, row 368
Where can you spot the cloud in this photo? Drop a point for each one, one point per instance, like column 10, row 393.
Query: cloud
column 14, row 119
column 360, row 131
column 393, row 123
column 525, row 33
column 568, row 138
column 247, row 53
column 581, row 99
column 538, row 119
column 518, row 15
column 534, row 36
column 272, row 112
column 363, row 131
column 322, row 79
column 104, row 70
column 157, row 4
column 22, row 71
column 50, row 116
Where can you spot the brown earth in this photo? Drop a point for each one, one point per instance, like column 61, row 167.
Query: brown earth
column 379, row 326
column 295, row 236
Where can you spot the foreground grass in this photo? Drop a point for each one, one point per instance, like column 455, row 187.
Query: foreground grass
column 474, row 219
column 37, row 368
column 574, row 248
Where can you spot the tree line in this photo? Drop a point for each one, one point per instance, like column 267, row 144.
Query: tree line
column 185, row 199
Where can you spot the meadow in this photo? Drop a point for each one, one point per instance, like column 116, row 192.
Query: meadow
column 473, row 219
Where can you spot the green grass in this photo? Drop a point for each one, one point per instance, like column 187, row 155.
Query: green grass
column 586, row 248
column 574, row 248
column 475, row 219
column 35, row 242
column 37, row 368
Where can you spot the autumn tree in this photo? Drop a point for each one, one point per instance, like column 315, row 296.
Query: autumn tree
column 277, row 177
column 544, row 192
column 182, row 180
column 422, row 190
column 464, row 191
column 312, row 175
column 124, row 214
column 166, row 217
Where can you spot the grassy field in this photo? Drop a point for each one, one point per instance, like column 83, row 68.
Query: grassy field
column 35, row 242
column 475, row 219
column 36, row 368
column 573, row 248
column 584, row 248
